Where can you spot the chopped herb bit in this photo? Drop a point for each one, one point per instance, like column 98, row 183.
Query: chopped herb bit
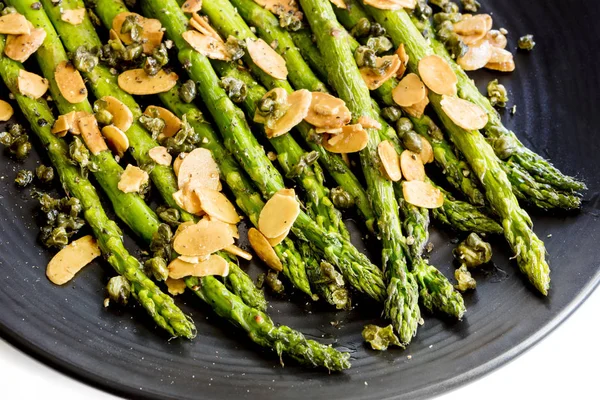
column 526, row 43
column 380, row 338
column 24, row 178
column 119, row 289
column 497, row 93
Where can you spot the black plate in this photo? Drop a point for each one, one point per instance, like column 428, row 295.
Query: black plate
column 556, row 90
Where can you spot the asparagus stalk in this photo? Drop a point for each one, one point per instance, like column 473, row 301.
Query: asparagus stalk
column 160, row 306
column 401, row 305
column 528, row 248
column 356, row 268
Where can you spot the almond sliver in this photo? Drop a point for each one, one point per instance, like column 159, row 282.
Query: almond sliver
column 149, row 26
column 199, row 167
column 132, row 179
column 122, row 115
column 410, row 90
column 191, row 6
column 116, row 139
column 236, row 251
column 476, row 57
column 463, row 113
column 278, row 215
column 70, row 83
column 391, row 4
column 172, row 123
column 299, row 103
column 417, row 110
column 389, row 160
column 186, row 199
column 31, row 85
column 201, row 25
column 474, row 25
column 267, row 59
column 412, row 166
column 339, row 4
column 71, row 259
column 353, row 138
column 279, row 7
column 217, row 205
column 503, row 67
column 175, row 286
column 21, row 47
column 263, row 249
column 73, row 17
column 375, row 80
column 426, row 151
column 177, row 163
column 14, row 24
column 500, row 56
column 327, row 111
column 138, row 82
column 160, row 155
column 73, row 121
column 90, row 133
column 438, row 75
column 368, row 122
column 404, row 58
column 206, row 45
column 422, row 194
column 277, row 240
column 213, row 265
column 203, row 238
column 496, row 39
column 6, row 111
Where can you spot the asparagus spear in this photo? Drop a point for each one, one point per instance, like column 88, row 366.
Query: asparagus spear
column 528, row 248
column 356, row 268
column 401, row 305
column 160, row 306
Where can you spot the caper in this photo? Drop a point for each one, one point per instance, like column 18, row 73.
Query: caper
column 169, row 215
column 404, row 125
column 341, row 198
column 377, row 30
column 365, row 57
column 132, row 52
column 157, row 266
column 9, row 10
column 526, row 42
column 187, row 91
column 44, row 174
column 154, row 125
column 380, row 338
column 464, row 279
column 151, row 66
column 24, row 178
column 119, row 289
column 380, row 44
column 422, row 10
column 84, row 60
column 361, row 29
column 291, row 21
column 274, row 283
column 391, row 114
column 235, row 47
column 412, row 141
column 497, row 93
column 161, row 55
column 236, row 89
column 473, row 251
column 470, row 5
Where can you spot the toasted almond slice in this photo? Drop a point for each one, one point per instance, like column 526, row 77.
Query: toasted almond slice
column 160, row 155
column 192, row 260
column 500, row 56
column 61, row 126
column 6, row 111
column 207, row 45
column 172, row 123
column 263, row 249
column 403, row 56
column 217, row 205
column 278, row 215
column 116, row 139
column 132, row 179
column 70, row 83
column 373, row 79
column 473, row 25
column 299, row 104
column 153, row 40
column 464, row 113
column 417, row 110
column 138, row 82
column 412, row 166
column 327, row 111
column 438, row 75
column 266, row 58
column 191, row 6
column 214, row 265
column 339, row 4
column 14, row 24
column 352, row 139
column 21, row 47
column 277, row 240
column 73, row 17
column 477, row 56
column 496, row 39
column 202, row 25
column 473, row 39
column 236, row 251
column 147, row 24
column 199, row 167
column 183, row 226
column 410, row 90
column 203, row 238
column 31, row 85
column 422, row 194
column 368, row 122
column 389, row 160
column 177, row 162
column 426, row 151
column 71, row 259
column 90, row 133
column 279, row 7
column 331, row 131
column 175, row 286
column 122, row 115
column 187, row 199
column 503, row 67
column 391, row 4
column 73, row 121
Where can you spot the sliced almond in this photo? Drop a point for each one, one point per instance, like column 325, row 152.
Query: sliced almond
column 31, row 85
column 299, row 104
column 422, row 194
column 207, row 45
column 463, row 113
column 279, row 7
column 152, row 40
column 182, row 226
column 90, row 133
column 61, row 126
column 72, row 120
column 14, row 24
column 426, row 151
column 503, row 67
column 217, row 205
column 21, row 47
column 352, row 139
column 277, row 240
column 201, row 25
column 473, row 39
column 138, row 82
column 71, row 259
column 6, row 111
column 391, row 4
column 148, row 25
column 236, row 251
column 339, row 4
column 438, row 75
column 192, row 260
column 172, row 123
column 203, row 238
column 368, row 122
column 132, row 179
column 191, row 6
column 266, row 58
column 500, row 56
column 175, row 286
column 116, row 139
column 160, row 155
column 278, row 215
column 412, row 166
column 410, row 90
column 327, row 111
column 474, row 25
column 199, row 167
column 177, row 162
column 404, row 58
column 122, row 115
column 417, row 110
column 476, row 57
column 496, row 39
column 373, row 79
column 331, row 131
column 214, row 265
column 70, row 83
column 389, row 160
column 73, row 17
column 187, row 199
column 263, row 249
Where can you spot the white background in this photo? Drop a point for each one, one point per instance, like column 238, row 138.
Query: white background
column 563, row 365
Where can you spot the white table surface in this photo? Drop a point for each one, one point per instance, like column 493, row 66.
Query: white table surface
column 563, row 365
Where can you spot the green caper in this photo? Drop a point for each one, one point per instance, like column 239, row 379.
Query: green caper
column 471, row 5
column 365, row 57
column 412, row 141
column 266, row 105
column 341, row 198
column 291, row 21
column 305, row 161
column 504, row 145
column 450, row 8
column 20, row 147
column 473, row 251
column 497, row 93
column 119, row 289
column 154, row 125
column 526, row 43
column 464, row 279
column 9, row 10
column 455, row 46
column 129, row 23
column 330, row 274
column 391, row 114
column 380, row 44
column 187, row 91
column 80, row 155
column 380, row 338
column 157, row 266
column 132, row 52
column 161, row 55
column 274, row 283
column 235, row 48
column 362, row 28
column 151, row 66
column 44, row 174
column 169, row 215
column 54, row 237
column 236, row 89
column 84, row 60
column 422, row 10
column 24, row 178
column 377, row 30
column 404, row 125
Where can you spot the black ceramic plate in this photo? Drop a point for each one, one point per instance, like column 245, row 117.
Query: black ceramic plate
column 556, row 89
